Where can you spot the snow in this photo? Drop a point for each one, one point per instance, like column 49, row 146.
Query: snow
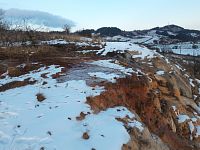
column 64, row 42
column 117, row 38
column 143, row 52
column 87, row 51
column 86, row 39
column 194, row 34
column 183, row 118
column 26, row 123
column 142, row 39
column 174, row 108
column 160, row 72
column 187, row 76
column 83, row 41
column 167, row 60
column 121, row 47
column 136, row 124
column 198, row 131
column 55, row 42
column 171, row 33
column 102, row 127
column 191, row 82
column 195, row 52
column 192, row 128
column 36, row 74
column 109, row 64
column 110, row 77
column 184, row 48
column 198, row 81
column 3, row 138
column 192, row 123
column 194, row 119
column 179, row 67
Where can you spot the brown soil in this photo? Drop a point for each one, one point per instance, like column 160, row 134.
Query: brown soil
column 85, row 136
column 16, row 84
column 81, row 116
column 40, row 97
column 18, row 71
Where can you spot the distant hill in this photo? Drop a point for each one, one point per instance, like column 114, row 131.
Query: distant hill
column 104, row 31
column 173, row 32
column 109, row 31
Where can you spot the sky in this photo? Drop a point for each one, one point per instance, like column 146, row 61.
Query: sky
column 126, row 14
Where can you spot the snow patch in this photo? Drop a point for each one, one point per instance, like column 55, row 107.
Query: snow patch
column 121, row 47
column 161, row 72
column 110, row 64
column 110, row 77
column 183, row 118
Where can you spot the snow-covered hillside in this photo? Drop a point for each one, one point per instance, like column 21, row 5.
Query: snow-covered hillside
column 117, row 98
column 52, row 124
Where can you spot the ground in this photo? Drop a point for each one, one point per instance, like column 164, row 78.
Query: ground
column 117, row 95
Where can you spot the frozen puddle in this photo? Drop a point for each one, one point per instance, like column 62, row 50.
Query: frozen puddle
column 27, row 124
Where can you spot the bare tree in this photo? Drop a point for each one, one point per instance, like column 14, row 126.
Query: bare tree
column 29, row 33
column 3, row 24
column 1, row 16
column 67, row 28
column 3, row 29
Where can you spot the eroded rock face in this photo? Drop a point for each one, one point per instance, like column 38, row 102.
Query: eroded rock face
column 142, row 139
column 145, row 141
column 159, row 103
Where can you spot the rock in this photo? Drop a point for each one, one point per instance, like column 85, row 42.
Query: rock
column 173, row 125
column 85, row 136
column 81, row 116
column 145, row 141
column 40, row 97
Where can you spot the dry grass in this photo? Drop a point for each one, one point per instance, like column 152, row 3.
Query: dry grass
column 29, row 52
column 40, row 97
column 15, row 84
column 18, row 71
column 11, row 36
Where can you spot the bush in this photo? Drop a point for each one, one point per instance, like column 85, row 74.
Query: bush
column 195, row 46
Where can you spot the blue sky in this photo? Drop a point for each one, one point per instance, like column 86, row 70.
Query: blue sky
column 125, row 14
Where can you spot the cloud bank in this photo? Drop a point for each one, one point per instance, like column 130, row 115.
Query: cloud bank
column 37, row 18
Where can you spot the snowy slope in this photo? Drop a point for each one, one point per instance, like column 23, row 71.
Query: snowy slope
column 26, row 123
column 121, row 47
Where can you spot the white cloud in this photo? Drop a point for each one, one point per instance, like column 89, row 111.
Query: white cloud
column 37, row 18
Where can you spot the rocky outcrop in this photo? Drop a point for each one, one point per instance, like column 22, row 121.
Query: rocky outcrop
column 144, row 141
column 159, row 100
